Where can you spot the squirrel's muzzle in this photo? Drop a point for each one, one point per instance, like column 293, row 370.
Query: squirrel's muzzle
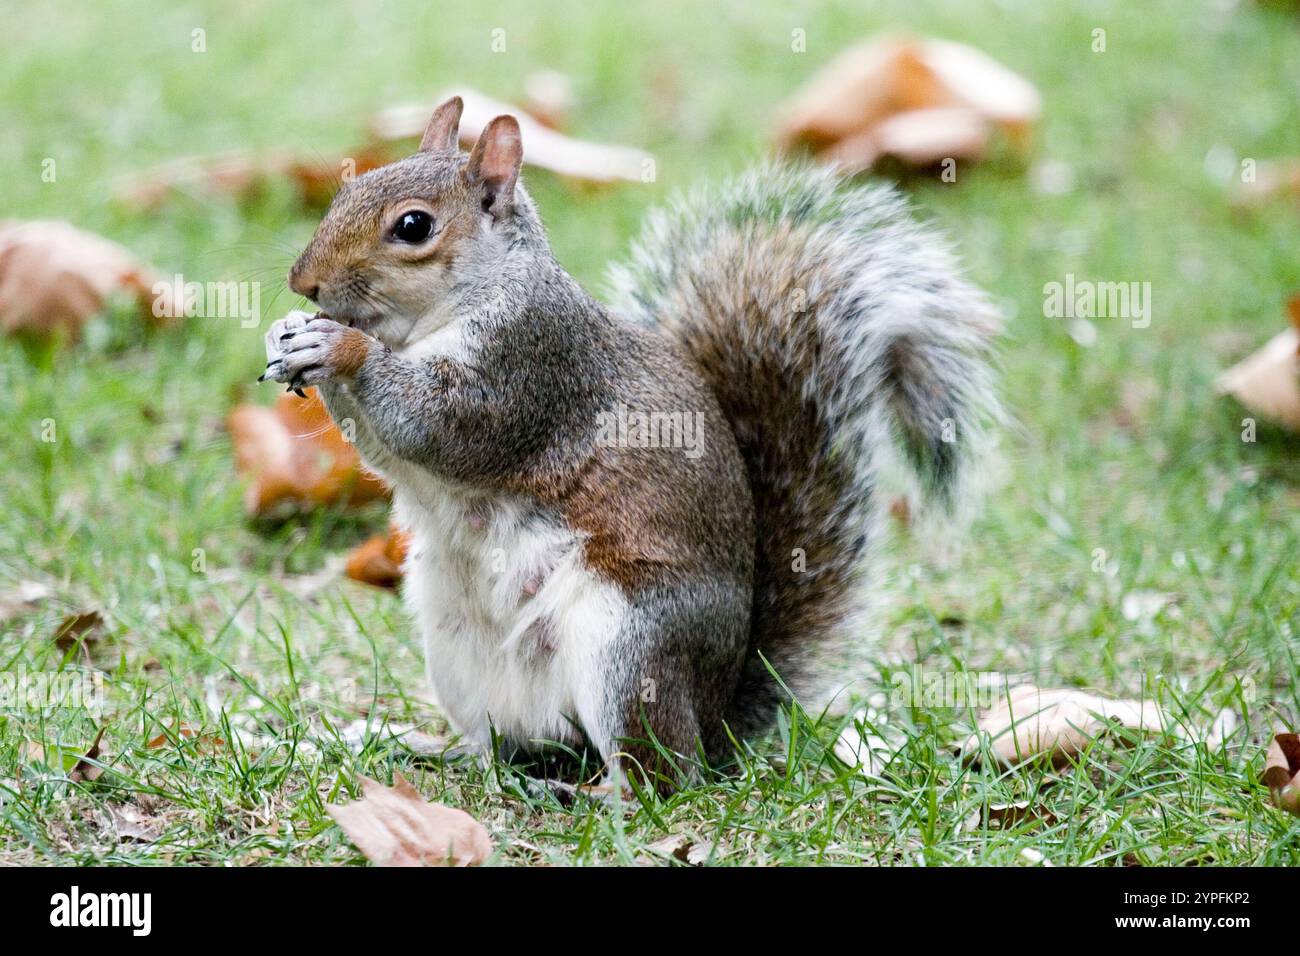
column 304, row 284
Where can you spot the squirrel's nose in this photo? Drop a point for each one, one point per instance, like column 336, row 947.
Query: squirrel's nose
column 304, row 285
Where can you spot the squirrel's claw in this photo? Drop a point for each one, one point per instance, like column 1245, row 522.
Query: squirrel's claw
column 296, row 383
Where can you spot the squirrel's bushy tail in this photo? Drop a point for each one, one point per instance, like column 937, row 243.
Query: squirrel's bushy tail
column 832, row 328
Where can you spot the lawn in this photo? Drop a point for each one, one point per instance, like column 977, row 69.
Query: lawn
column 1130, row 541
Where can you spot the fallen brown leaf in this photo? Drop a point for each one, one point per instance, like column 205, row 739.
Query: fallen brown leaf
column 545, row 148
column 53, row 277
column 1282, row 771
column 204, row 743
column 76, row 627
column 969, row 77
column 921, row 101
column 918, row 137
column 242, row 176
column 698, row 854
column 378, row 560
column 1031, row 722
column 84, row 771
column 317, row 181
column 130, row 824
column 1268, row 381
column 395, row 826
column 295, row 453
column 857, row 89
column 675, row 845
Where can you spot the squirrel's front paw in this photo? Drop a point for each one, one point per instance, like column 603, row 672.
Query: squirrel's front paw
column 302, row 351
column 282, row 330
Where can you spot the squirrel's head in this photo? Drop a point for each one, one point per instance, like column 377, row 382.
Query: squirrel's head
column 396, row 240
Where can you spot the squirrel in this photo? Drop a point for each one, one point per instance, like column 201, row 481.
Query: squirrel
column 637, row 528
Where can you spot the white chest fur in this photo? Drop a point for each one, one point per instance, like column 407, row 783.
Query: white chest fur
column 513, row 621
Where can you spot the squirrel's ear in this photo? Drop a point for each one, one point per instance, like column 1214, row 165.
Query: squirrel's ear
column 494, row 164
column 444, row 127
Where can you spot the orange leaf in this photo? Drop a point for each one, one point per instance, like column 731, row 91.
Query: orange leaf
column 378, row 560
column 295, row 453
column 53, row 277
column 206, row 743
column 918, row 100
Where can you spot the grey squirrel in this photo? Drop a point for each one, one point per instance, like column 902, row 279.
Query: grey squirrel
column 577, row 577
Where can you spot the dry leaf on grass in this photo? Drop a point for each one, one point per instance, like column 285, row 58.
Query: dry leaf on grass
column 203, row 743
column 545, row 148
column 918, row 100
column 1268, row 382
column 243, row 175
column 295, row 453
column 677, row 846
column 378, row 560
column 919, row 138
column 674, row 845
column 74, row 627
column 699, row 854
column 130, row 824
column 1282, row 771
column 395, row 826
column 53, row 277
column 1031, row 722
column 84, row 771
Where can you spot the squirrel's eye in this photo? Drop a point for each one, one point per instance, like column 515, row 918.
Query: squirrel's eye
column 414, row 226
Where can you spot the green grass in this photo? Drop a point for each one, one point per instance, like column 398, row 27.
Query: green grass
column 1120, row 446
